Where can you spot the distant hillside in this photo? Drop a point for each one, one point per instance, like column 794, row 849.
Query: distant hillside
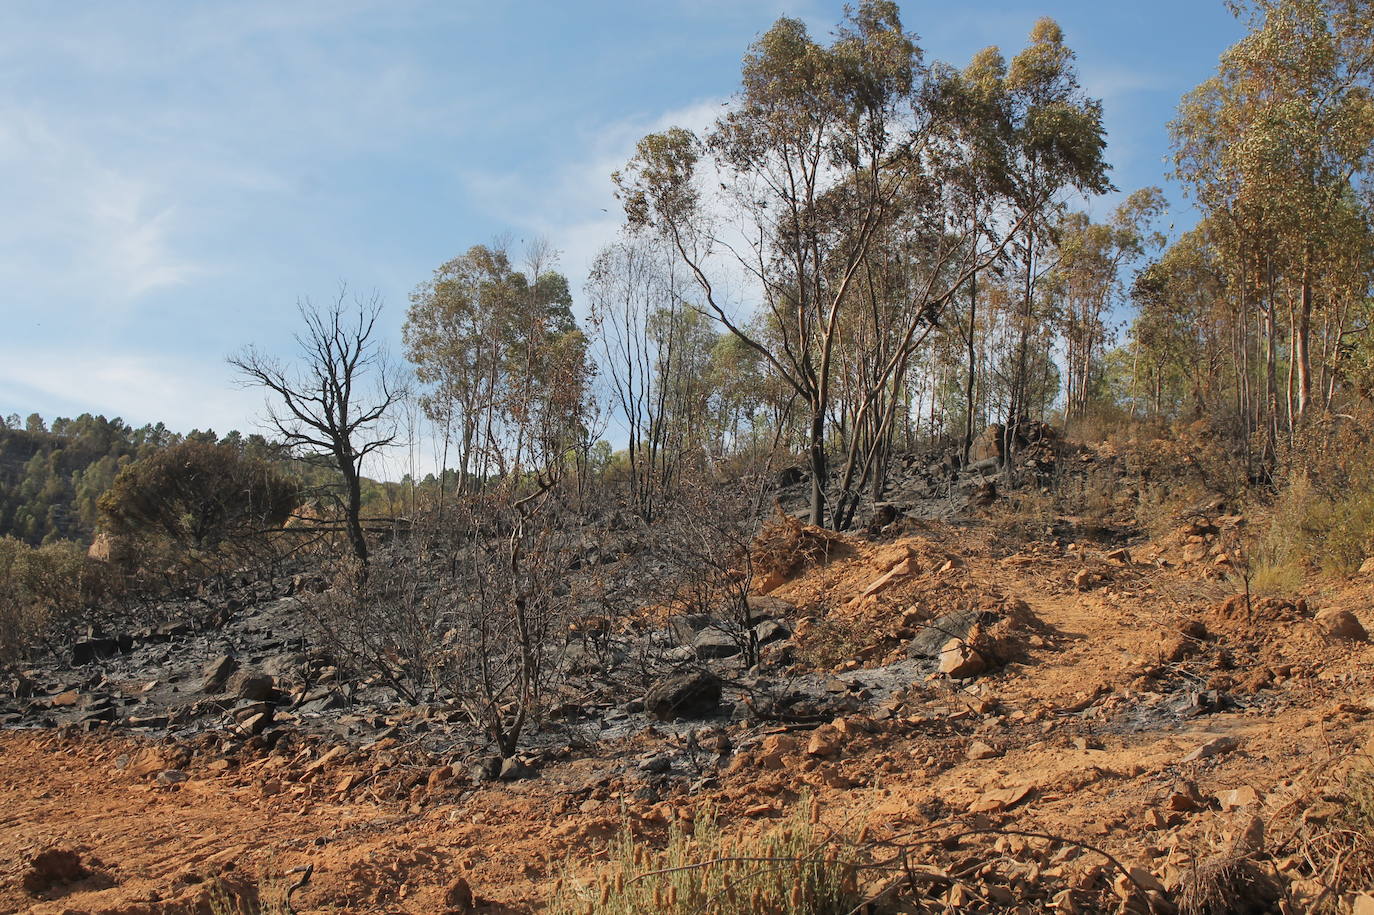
column 51, row 476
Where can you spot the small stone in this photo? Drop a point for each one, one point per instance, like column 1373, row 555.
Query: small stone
column 774, row 748
column 438, row 776
column 256, row 724
column 1217, row 747
column 1367, row 567
column 1244, row 796
column 146, row 762
column 169, row 777
column 1187, row 800
column 1000, row 799
column 65, row 700
column 960, row 661
column 217, row 672
column 979, row 750
column 333, row 754
column 825, row 741
column 513, row 769
column 251, row 685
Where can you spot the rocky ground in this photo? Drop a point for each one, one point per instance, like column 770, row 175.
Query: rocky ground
column 1077, row 720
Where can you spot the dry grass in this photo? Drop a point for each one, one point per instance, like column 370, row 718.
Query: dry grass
column 791, row 870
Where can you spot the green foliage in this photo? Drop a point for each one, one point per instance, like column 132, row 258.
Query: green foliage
column 51, row 478
column 793, row 869
column 197, row 496
column 503, row 360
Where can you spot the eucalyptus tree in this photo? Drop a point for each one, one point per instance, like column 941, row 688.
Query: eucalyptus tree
column 1058, row 145
column 1273, row 148
column 828, row 153
column 808, row 119
column 656, row 354
column 502, row 358
column 1086, row 283
column 1184, row 339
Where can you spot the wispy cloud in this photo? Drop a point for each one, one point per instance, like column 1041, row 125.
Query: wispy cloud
column 181, row 392
column 87, row 227
column 574, row 204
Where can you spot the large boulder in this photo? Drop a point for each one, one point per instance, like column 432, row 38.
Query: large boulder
column 695, row 694
column 712, row 644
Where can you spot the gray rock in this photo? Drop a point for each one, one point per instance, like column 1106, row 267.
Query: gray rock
column 251, row 685
column 712, row 644
column 935, row 634
column 284, row 667
column 486, row 769
column 217, row 673
column 766, row 605
column 513, row 768
column 320, row 701
column 770, row 631
column 695, row 694
column 686, row 627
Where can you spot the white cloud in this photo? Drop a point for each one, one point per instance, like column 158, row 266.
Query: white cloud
column 87, row 228
column 575, row 206
column 180, row 392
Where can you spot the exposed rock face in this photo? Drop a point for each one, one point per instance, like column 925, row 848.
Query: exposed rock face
column 690, row 695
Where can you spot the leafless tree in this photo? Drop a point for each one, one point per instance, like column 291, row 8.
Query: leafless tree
column 337, row 402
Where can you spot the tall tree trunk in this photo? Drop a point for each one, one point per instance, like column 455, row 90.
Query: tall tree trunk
column 969, row 406
column 1302, row 346
column 818, row 469
column 353, row 507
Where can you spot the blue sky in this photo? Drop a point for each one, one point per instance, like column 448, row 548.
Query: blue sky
column 174, row 176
